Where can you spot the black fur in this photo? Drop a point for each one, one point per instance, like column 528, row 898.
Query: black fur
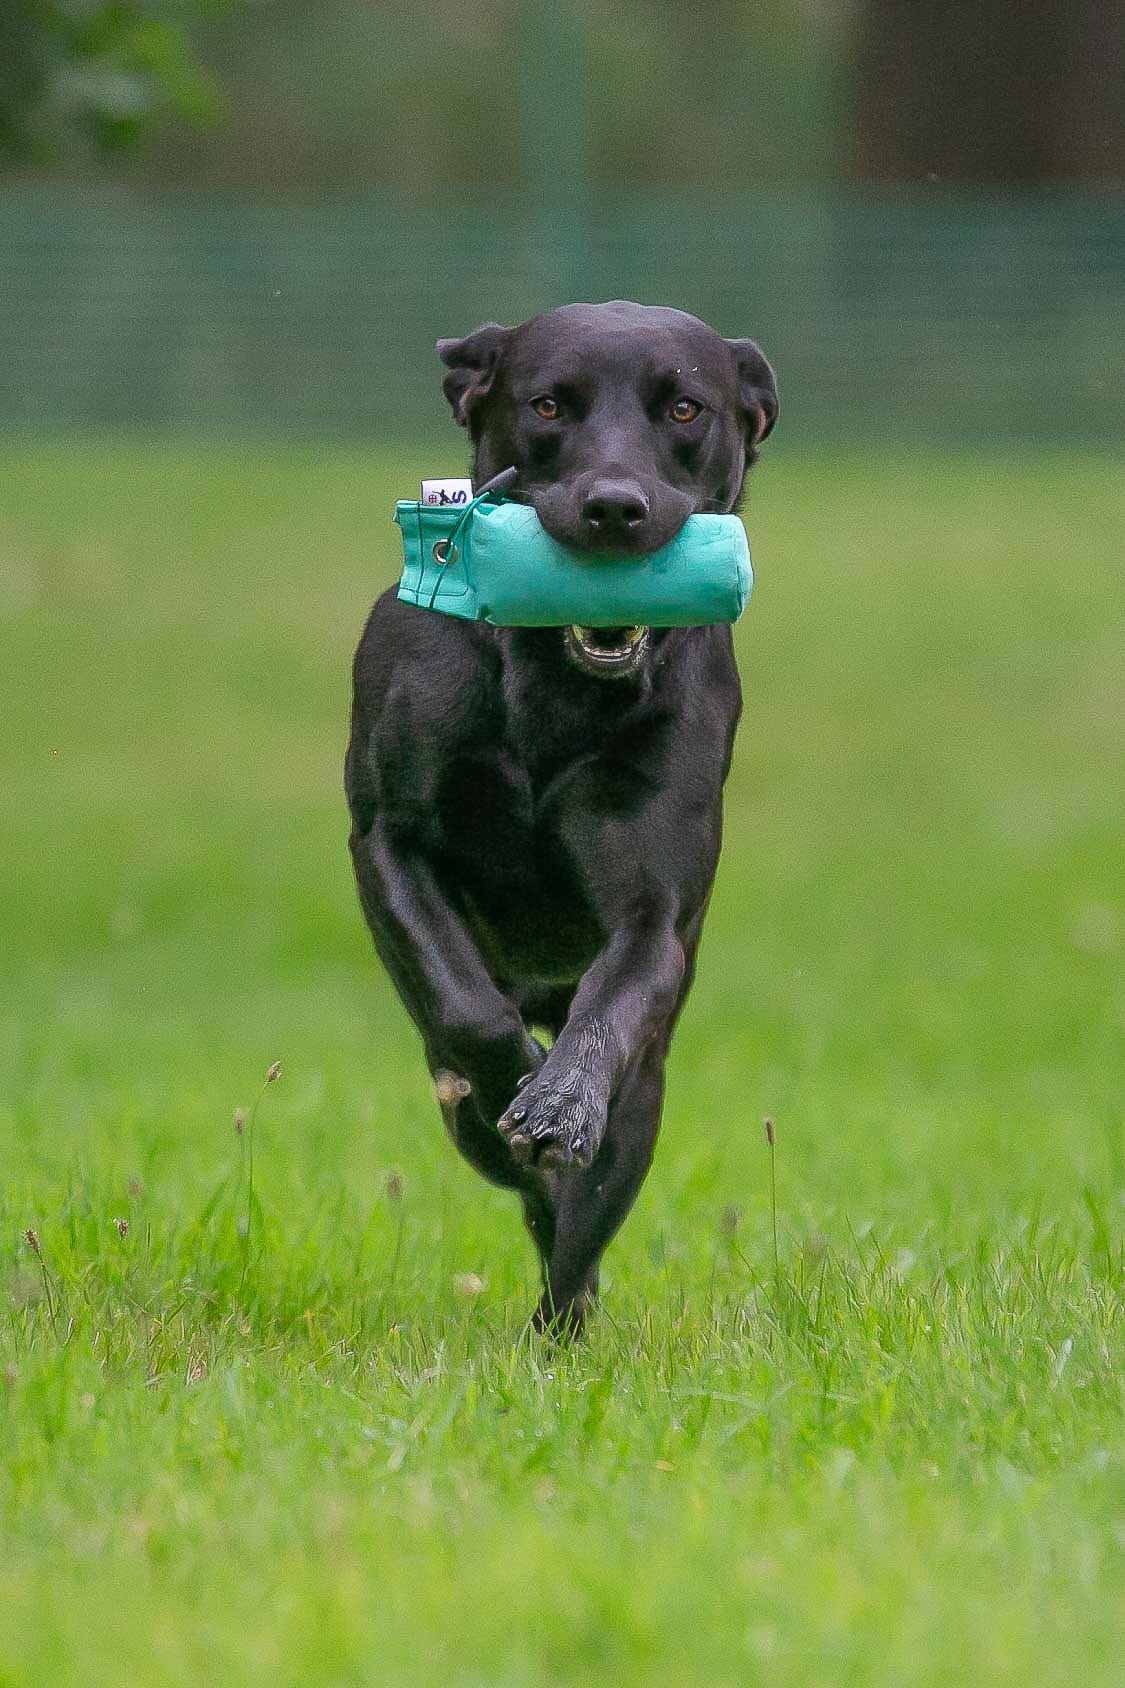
column 535, row 832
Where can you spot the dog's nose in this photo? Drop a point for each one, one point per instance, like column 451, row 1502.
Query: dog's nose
column 614, row 505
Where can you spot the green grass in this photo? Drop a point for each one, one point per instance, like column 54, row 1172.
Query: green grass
column 319, row 1451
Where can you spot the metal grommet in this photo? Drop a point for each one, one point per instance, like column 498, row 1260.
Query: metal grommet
column 442, row 552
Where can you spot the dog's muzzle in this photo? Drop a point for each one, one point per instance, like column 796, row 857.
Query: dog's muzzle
column 608, row 652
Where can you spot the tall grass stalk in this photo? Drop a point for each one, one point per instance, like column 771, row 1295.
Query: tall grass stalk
column 244, row 1125
column 31, row 1238
column 772, row 1145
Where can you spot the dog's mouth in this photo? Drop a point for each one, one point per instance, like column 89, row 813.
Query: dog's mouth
column 606, row 651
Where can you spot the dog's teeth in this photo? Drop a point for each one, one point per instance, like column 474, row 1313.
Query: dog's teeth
column 593, row 641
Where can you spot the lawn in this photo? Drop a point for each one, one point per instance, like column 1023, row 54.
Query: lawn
column 291, row 1430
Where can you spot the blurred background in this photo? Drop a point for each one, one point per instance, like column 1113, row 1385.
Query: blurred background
column 257, row 215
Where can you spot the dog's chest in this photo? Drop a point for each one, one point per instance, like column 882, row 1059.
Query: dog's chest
column 510, row 796
column 542, row 761
column 524, row 758
column 500, row 812
column 487, row 801
column 509, row 866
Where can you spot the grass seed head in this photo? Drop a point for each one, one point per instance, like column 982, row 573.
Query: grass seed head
column 31, row 1238
column 768, row 1123
column 239, row 1121
column 121, row 1226
column 273, row 1072
column 392, row 1185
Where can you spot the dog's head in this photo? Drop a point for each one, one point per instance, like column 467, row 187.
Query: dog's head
column 623, row 420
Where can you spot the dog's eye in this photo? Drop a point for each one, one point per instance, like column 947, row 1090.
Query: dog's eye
column 546, row 407
column 685, row 410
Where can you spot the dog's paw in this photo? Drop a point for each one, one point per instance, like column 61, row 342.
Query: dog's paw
column 555, row 1120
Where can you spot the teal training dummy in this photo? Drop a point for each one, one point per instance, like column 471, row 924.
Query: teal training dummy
column 492, row 560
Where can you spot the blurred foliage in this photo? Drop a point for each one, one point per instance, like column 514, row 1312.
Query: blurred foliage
column 96, row 71
column 347, row 96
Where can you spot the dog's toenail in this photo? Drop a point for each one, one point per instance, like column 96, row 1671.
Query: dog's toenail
column 526, row 1079
column 518, row 1115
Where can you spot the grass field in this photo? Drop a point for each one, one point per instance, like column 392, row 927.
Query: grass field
column 319, row 1450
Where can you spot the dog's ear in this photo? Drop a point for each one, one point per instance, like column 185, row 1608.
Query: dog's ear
column 472, row 366
column 757, row 389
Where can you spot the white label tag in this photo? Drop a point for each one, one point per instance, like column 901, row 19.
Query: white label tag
column 455, row 492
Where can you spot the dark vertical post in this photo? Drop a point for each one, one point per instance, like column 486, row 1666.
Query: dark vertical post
column 989, row 92
column 553, row 144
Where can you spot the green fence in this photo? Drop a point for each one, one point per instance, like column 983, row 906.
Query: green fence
column 928, row 317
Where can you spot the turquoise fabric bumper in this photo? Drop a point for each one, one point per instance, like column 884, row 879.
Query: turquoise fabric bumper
column 504, row 568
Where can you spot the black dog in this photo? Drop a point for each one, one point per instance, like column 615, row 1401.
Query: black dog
column 536, row 813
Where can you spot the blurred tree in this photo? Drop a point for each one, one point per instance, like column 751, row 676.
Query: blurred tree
column 430, row 101
column 343, row 96
column 434, row 101
column 991, row 91
column 100, row 69
column 718, row 96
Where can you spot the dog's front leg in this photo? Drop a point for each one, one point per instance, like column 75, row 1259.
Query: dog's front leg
column 625, row 998
column 592, row 1201
column 469, row 1027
